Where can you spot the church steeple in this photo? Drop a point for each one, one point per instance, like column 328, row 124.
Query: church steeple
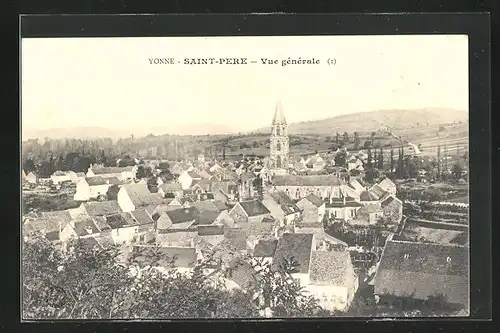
column 279, row 144
column 279, row 118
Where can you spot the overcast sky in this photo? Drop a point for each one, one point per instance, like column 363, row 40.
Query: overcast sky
column 108, row 82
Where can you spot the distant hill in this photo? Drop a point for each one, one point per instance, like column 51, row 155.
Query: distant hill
column 100, row 132
column 375, row 120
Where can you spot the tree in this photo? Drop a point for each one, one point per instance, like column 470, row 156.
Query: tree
column 369, row 159
column 457, row 170
column 337, row 138
column 143, row 172
column 357, row 141
column 340, row 158
column 126, row 161
column 29, row 166
column 439, row 171
column 381, row 159
column 392, row 159
column 346, row 137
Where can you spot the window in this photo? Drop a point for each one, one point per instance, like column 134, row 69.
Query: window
column 278, row 130
column 334, row 213
column 278, row 146
column 448, row 259
column 406, row 256
column 353, row 212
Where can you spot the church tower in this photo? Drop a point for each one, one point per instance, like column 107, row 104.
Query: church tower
column 278, row 159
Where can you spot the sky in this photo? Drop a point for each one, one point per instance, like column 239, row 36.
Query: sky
column 110, row 83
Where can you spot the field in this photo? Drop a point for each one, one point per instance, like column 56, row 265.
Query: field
column 45, row 202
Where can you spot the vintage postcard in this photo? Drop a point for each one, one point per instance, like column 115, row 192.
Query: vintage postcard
column 245, row 177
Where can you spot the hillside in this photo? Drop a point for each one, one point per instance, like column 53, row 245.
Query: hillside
column 375, row 120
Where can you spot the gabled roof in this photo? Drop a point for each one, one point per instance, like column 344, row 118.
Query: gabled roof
column 98, row 180
column 182, row 215
column 315, row 200
column 193, row 175
column 262, row 228
column 99, row 170
column 411, row 268
column 203, row 206
column 285, row 202
column 307, row 180
column 369, row 209
column 102, row 208
column 248, row 176
column 167, row 256
column 378, row 191
column 368, row 196
column 236, row 237
column 387, row 201
column 140, row 195
column 386, row 183
column 171, row 187
column 332, row 268
column 120, row 220
column 142, row 217
column 224, row 186
column 242, row 273
column 296, row 246
column 62, row 216
column 204, row 184
column 265, row 248
column 220, row 205
column 254, row 208
column 85, row 227
column 210, row 230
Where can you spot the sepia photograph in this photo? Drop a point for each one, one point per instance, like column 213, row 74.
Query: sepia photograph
column 245, row 177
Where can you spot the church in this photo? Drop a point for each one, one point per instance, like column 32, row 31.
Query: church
column 297, row 187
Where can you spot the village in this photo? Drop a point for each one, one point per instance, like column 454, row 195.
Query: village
column 354, row 239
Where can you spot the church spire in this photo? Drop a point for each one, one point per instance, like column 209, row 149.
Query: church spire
column 279, row 118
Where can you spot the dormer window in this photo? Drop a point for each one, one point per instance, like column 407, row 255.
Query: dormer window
column 448, row 260
column 406, row 256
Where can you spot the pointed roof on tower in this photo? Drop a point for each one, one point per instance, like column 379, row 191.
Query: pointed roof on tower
column 279, row 118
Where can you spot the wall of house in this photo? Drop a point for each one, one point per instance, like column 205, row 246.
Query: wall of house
column 238, row 214
column 342, row 213
column 275, row 209
column 124, row 235
column 290, row 218
column 258, row 218
column 394, row 211
column 297, row 192
column 185, row 181
column 391, row 188
column 309, row 211
column 77, row 212
column 224, row 219
column 124, row 201
column 67, row 233
column 97, row 190
column 302, row 278
column 180, row 238
column 330, row 297
column 60, row 179
column 82, row 191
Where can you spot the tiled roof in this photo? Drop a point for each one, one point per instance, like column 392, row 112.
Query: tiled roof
column 177, row 256
column 102, row 208
column 258, row 229
column 62, row 216
column 331, row 268
column 242, row 273
column 236, row 238
column 120, row 220
column 210, row 230
column 220, row 205
column 182, row 215
column 206, row 216
column 254, row 208
column 368, row 196
column 424, row 269
column 141, row 196
column 309, row 225
column 265, row 248
column 386, row 183
column 307, row 180
column 110, row 170
column 41, row 225
column 315, row 200
column 203, row 206
column 285, row 202
column 387, row 201
column 85, row 227
column 377, row 191
column 193, row 175
column 142, row 217
column 340, row 204
column 80, row 174
column 171, row 187
column 98, row 180
column 296, row 246
column 369, row 209
column 100, row 222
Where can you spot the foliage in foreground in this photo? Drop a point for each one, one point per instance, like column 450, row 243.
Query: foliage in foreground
column 79, row 283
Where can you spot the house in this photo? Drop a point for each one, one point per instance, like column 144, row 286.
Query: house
column 241, row 275
column 296, row 249
column 224, row 219
column 48, row 225
column 134, row 196
column 249, row 211
column 282, row 207
column 186, row 179
column 300, row 186
column 181, row 259
column 170, row 190
column 177, row 219
column 220, row 196
column 246, row 186
column 63, row 176
column 94, row 188
column 122, row 173
column 200, row 186
column 124, row 229
column 315, row 163
column 388, row 186
column 354, row 163
column 264, row 250
column 368, row 214
column 215, row 168
column 81, row 228
column 32, row 178
column 423, row 270
column 146, row 230
column 226, row 188
column 332, row 279
column 392, row 208
column 211, row 234
column 23, row 175
column 92, row 209
column 313, row 208
column 205, row 174
column 344, row 208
